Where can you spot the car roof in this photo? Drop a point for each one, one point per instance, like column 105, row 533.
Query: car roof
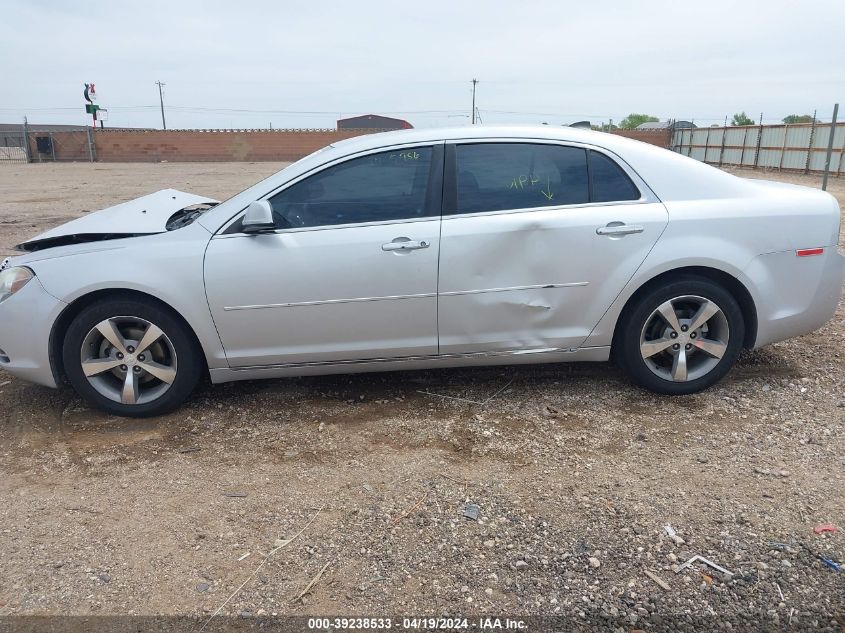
column 428, row 135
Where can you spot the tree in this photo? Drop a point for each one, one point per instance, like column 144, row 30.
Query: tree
column 632, row 121
column 798, row 118
column 740, row 118
column 604, row 127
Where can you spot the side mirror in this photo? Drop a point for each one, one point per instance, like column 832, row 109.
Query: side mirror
column 258, row 217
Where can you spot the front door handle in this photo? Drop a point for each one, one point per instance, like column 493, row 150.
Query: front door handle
column 618, row 229
column 405, row 244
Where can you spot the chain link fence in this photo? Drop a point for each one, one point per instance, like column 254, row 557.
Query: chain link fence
column 12, row 149
column 23, row 144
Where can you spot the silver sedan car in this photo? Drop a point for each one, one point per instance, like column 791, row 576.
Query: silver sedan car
column 421, row 249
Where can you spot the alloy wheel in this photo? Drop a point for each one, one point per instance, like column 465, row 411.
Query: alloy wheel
column 128, row 360
column 684, row 338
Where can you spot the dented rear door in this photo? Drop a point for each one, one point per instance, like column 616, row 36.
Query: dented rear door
column 533, row 249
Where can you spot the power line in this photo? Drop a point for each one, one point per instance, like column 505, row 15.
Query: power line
column 235, row 110
column 332, row 112
column 223, row 110
column 475, row 116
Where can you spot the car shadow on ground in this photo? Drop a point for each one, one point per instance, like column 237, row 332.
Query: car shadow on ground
column 502, row 391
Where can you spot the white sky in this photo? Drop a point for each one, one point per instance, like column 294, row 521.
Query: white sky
column 254, row 63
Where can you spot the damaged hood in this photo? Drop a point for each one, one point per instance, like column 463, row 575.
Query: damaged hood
column 157, row 212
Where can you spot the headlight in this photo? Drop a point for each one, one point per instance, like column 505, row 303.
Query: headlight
column 12, row 280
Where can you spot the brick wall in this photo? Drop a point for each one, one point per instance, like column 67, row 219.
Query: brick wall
column 213, row 145
column 116, row 145
column 661, row 138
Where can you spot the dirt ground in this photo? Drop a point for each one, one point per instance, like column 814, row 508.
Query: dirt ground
column 572, row 471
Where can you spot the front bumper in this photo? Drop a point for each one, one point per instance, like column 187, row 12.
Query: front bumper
column 794, row 295
column 26, row 319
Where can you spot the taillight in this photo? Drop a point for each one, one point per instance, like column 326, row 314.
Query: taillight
column 807, row 252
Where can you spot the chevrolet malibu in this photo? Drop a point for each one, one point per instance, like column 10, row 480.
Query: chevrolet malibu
column 421, row 249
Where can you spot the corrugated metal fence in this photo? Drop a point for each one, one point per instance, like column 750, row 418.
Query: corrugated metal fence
column 800, row 147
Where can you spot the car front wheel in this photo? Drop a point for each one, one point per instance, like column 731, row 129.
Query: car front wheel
column 131, row 358
column 682, row 337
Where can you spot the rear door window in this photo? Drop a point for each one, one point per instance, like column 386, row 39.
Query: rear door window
column 499, row 176
column 608, row 182
column 505, row 176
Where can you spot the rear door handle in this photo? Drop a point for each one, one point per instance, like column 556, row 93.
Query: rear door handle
column 405, row 244
column 618, row 229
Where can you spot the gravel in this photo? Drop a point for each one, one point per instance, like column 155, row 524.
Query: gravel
column 571, row 473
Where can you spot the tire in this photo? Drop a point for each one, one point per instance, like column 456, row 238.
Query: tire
column 681, row 366
column 133, row 382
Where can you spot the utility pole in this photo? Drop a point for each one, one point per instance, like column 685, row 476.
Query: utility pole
column 161, row 101
column 26, row 140
column 830, row 146
column 474, row 82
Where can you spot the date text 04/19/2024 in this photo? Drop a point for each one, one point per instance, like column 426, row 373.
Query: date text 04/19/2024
column 482, row 623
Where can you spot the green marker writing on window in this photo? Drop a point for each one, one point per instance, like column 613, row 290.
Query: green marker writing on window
column 522, row 181
column 548, row 190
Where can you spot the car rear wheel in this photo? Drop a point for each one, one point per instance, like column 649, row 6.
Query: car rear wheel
column 131, row 358
column 682, row 337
